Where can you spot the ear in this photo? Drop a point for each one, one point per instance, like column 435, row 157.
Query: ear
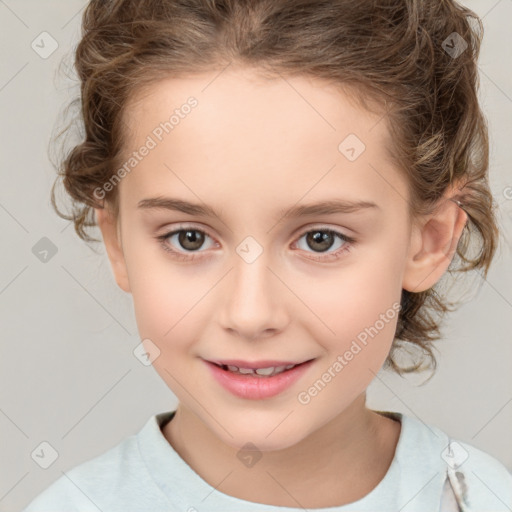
column 111, row 238
column 433, row 243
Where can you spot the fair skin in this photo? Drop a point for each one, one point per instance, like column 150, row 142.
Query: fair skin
column 250, row 148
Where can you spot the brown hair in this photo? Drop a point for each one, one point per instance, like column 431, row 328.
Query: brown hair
column 415, row 62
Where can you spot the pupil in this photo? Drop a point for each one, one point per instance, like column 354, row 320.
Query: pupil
column 324, row 238
column 193, row 237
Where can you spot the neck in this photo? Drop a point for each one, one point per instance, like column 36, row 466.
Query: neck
column 342, row 461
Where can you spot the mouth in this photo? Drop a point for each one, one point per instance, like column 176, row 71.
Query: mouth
column 257, row 381
column 261, row 369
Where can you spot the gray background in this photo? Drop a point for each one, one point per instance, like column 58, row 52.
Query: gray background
column 68, row 373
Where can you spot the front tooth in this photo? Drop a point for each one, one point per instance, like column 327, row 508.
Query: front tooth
column 266, row 371
column 245, row 370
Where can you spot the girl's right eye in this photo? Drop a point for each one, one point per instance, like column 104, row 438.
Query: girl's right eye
column 190, row 239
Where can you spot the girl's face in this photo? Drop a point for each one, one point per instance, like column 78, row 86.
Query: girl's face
column 251, row 283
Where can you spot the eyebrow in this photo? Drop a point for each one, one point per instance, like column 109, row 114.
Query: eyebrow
column 320, row 208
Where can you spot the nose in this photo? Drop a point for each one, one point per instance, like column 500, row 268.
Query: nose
column 255, row 304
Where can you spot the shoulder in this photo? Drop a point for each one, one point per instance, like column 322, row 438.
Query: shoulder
column 96, row 484
column 479, row 479
column 483, row 478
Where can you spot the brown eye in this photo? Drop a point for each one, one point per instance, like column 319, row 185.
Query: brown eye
column 190, row 239
column 185, row 242
column 321, row 240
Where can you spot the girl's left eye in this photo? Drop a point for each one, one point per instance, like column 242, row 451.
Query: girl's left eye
column 191, row 239
column 322, row 238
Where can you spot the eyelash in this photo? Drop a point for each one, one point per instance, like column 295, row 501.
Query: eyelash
column 349, row 242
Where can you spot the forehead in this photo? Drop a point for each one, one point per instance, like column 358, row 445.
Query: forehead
column 250, row 136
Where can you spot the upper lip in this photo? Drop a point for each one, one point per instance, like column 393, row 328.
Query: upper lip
column 255, row 364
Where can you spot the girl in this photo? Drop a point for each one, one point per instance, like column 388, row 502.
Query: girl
column 224, row 140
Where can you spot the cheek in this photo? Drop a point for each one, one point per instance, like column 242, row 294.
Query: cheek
column 355, row 307
column 358, row 310
column 166, row 311
column 167, row 298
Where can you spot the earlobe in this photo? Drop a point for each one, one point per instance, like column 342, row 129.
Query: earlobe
column 433, row 244
column 113, row 246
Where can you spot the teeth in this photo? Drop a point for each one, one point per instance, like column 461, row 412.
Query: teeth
column 264, row 372
column 268, row 371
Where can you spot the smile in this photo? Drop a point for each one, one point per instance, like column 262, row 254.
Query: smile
column 261, row 372
column 257, row 383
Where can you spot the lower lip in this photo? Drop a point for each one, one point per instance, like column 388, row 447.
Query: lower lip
column 257, row 388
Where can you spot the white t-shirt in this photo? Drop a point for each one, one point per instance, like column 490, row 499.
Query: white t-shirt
column 143, row 473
